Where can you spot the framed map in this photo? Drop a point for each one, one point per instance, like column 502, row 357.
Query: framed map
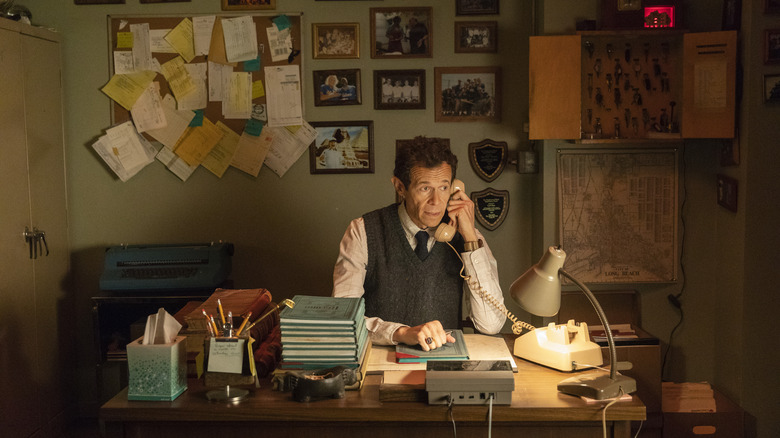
column 618, row 214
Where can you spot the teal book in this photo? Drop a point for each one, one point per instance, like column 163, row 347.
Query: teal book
column 311, row 337
column 322, row 311
column 323, row 352
column 450, row 351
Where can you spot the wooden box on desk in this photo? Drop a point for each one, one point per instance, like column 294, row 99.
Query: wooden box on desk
column 156, row 372
column 726, row 422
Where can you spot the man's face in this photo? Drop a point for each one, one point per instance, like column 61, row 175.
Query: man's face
column 426, row 197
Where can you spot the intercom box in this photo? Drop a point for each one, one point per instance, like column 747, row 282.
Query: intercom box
column 156, row 372
column 471, row 382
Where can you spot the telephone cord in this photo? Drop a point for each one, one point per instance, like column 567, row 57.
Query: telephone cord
column 517, row 325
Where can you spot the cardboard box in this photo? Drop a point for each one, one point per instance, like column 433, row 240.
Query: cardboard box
column 725, row 422
column 156, row 372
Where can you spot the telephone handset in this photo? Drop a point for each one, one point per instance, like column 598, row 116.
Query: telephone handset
column 445, row 232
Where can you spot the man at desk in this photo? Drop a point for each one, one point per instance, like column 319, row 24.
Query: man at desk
column 411, row 283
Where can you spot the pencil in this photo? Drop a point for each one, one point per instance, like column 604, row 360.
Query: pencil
column 243, row 324
column 213, row 324
column 221, row 312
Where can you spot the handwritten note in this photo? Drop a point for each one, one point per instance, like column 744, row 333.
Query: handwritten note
column 226, row 355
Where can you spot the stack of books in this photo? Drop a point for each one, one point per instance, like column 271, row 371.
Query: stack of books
column 323, row 332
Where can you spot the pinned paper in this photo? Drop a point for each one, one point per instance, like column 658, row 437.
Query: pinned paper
column 282, row 22
column 226, row 355
column 161, row 328
column 252, row 64
column 124, row 40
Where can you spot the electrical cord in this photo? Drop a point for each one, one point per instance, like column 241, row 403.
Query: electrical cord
column 604, row 412
column 490, row 415
column 674, row 299
column 450, row 402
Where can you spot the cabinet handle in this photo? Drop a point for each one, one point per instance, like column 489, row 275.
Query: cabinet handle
column 29, row 237
column 36, row 240
column 40, row 238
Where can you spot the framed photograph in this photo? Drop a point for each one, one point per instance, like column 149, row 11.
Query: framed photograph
column 772, row 6
column 732, row 14
column 476, row 36
column 727, row 192
column 163, row 1
column 472, row 7
column 337, row 87
column 467, row 94
column 401, row 32
column 399, row 89
column 772, row 47
column 342, row 147
column 229, row 5
column 335, row 40
column 772, row 88
column 98, row 2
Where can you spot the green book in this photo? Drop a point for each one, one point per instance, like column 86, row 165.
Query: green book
column 323, row 311
column 450, row 351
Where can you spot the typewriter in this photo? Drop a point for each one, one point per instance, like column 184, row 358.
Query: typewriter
column 166, row 267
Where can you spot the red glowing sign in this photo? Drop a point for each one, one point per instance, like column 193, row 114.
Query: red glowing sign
column 659, row 16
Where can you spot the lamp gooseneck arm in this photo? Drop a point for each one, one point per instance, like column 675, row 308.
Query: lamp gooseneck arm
column 602, row 317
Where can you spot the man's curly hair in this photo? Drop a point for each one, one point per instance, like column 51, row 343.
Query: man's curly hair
column 427, row 152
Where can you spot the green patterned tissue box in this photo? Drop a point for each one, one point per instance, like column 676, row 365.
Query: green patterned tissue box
column 158, row 371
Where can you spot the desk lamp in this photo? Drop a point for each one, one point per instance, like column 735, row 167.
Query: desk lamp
column 538, row 291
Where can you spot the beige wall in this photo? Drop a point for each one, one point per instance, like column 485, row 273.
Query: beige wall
column 286, row 230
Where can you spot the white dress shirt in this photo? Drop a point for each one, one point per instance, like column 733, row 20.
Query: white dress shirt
column 350, row 272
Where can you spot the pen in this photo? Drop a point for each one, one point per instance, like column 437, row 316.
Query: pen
column 243, row 324
column 221, row 312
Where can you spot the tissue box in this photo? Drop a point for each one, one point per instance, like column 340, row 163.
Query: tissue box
column 157, row 371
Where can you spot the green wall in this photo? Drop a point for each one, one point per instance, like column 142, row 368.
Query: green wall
column 286, row 230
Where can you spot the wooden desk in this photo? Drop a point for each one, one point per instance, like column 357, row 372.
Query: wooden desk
column 537, row 410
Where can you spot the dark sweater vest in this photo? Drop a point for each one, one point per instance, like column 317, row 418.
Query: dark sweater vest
column 399, row 287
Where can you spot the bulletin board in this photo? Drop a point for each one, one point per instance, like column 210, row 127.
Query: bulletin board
column 213, row 111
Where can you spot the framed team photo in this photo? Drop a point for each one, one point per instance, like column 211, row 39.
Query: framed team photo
column 476, row 36
column 399, row 89
column 467, row 94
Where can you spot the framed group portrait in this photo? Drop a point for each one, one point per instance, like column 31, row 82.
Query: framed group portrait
column 342, row 147
column 229, row 5
column 337, row 87
column 399, row 89
column 476, row 7
column 772, row 88
column 467, row 94
column 335, row 40
column 476, row 36
column 401, row 32
column 772, row 46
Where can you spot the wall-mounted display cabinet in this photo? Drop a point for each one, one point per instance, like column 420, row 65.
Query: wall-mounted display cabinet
column 615, row 86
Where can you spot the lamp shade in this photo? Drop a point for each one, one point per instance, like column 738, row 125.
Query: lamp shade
column 538, row 290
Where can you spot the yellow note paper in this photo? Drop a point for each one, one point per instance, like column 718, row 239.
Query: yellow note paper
column 124, row 40
column 181, row 39
column 219, row 158
column 257, row 89
column 197, row 141
column 125, row 89
column 178, row 77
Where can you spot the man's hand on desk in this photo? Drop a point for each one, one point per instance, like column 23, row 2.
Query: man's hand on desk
column 429, row 336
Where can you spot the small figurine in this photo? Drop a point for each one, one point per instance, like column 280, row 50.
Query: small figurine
column 627, row 115
column 637, row 100
column 618, row 97
column 597, row 67
column 590, row 48
column 599, row 98
column 637, row 67
column 628, row 52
